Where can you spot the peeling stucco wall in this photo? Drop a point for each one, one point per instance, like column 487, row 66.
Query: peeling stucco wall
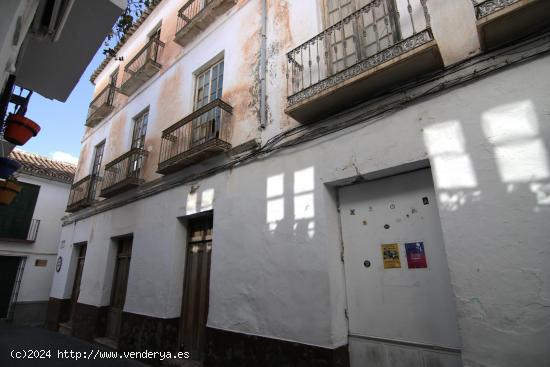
column 169, row 94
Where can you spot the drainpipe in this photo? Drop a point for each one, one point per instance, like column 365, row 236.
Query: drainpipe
column 263, row 68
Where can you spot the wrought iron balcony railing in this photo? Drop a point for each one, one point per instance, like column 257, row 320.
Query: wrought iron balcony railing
column 488, row 7
column 197, row 136
column 195, row 15
column 101, row 106
column 22, row 233
column 500, row 22
column 361, row 42
column 142, row 67
column 33, row 230
column 123, row 173
column 83, row 193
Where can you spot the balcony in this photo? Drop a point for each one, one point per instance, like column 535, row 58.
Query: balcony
column 360, row 57
column 196, row 15
column 23, row 233
column 82, row 193
column 101, row 106
column 196, row 137
column 123, row 173
column 501, row 21
column 142, row 67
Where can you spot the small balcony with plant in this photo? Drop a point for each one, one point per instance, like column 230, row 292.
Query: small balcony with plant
column 502, row 21
column 196, row 15
column 142, row 67
column 382, row 44
column 123, row 173
column 198, row 136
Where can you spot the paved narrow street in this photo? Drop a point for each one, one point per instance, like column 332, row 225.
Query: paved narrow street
column 16, row 341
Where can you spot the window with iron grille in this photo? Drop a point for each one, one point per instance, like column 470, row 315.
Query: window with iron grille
column 373, row 31
column 138, row 142
column 96, row 168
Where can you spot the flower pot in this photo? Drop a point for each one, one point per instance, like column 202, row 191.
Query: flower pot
column 20, row 129
column 8, row 191
column 8, row 167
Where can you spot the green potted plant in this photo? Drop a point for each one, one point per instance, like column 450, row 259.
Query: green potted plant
column 8, row 190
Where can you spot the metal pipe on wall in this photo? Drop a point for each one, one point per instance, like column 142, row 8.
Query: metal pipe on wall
column 263, row 67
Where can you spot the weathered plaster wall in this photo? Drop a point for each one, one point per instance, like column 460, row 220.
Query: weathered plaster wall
column 454, row 27
column 286, row 29
column 452, row 22
column 169, row 94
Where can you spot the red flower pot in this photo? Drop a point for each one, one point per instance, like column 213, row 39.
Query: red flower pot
column 20, row 129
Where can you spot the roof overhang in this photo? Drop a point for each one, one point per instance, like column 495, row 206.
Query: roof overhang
column 54, row 68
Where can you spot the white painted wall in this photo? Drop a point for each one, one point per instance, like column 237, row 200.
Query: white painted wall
column 50, row 207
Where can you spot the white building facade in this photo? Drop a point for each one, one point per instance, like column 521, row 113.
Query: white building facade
column 317, row 183
column 29, row 237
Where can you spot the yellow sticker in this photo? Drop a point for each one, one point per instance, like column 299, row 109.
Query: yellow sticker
column 390, row 255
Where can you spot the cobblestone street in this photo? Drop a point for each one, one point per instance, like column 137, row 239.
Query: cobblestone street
column 16, row 341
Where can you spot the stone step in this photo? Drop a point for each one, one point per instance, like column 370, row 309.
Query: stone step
column 66, row 328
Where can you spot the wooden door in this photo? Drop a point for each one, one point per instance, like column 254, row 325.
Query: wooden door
column 196, row 287
column 118, row 292
column 77, row 280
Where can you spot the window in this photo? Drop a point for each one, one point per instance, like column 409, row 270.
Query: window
column 16, row 218
column 138, row 142
column 140, row 128
column 154, row 46
column 96, row 168
column 373, row 31
column 208, row 88
column 209, row 85
column 112, row 85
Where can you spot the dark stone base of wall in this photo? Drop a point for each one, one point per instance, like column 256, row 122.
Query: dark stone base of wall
column 229, row 349
column 30, row 313
column 89, row 321
column 140, row 333
column 57, row 312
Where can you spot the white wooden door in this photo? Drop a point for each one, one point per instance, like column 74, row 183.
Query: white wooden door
column 398, row 316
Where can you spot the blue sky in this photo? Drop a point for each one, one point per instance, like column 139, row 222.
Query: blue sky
column 62, row 124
